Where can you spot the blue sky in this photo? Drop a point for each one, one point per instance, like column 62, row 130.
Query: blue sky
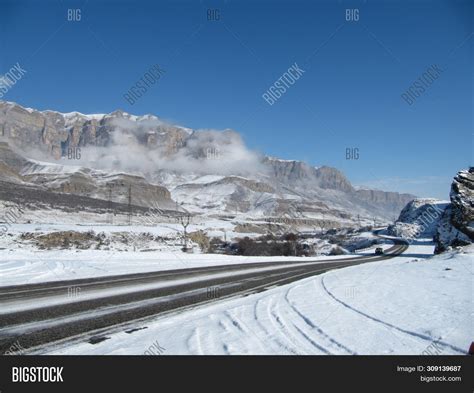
column 216, row 72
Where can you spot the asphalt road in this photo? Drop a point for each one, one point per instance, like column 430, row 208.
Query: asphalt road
column 38, row 314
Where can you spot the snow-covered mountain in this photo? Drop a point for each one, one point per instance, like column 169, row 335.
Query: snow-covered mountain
column 206, row 172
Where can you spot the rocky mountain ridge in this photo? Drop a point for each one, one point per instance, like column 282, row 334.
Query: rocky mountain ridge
column 185, row 157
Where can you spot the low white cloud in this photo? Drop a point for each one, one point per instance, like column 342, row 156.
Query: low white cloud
column 176, row 149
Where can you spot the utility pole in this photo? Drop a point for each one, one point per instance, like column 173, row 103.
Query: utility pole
column 111, row 217
column 130, row 205
column 185, row 220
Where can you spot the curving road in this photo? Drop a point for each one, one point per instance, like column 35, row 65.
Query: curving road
column 39, row 314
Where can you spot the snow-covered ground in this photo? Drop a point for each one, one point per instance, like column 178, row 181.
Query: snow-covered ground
column 408, row 305
column 32, row 266
column 24, row 263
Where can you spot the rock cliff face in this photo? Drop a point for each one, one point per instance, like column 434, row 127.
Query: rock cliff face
column 331, row 178
column 54, row 132
column 385, row 197
column 27, row 128
column 391, row 202
column 298, row 172
column 447, row 235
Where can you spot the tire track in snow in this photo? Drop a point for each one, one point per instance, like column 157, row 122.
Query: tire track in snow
column 379, row 321
column 332, row 342
column 292, row 337
column 235, row 322
column 240, row 324
column 275, row 339
column 195, row 346
column 232, row 324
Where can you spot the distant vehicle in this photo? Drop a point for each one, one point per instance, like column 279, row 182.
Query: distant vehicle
column 379, row 251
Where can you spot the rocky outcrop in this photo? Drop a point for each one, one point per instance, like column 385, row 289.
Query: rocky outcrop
column 456, row 227
column 447, row 235
column 419, row 219
column 462, row 200
column 450, row 224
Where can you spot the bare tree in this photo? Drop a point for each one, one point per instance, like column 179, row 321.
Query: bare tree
column 323, row 224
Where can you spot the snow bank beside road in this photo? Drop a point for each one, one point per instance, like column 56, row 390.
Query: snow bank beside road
column 20, row 266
